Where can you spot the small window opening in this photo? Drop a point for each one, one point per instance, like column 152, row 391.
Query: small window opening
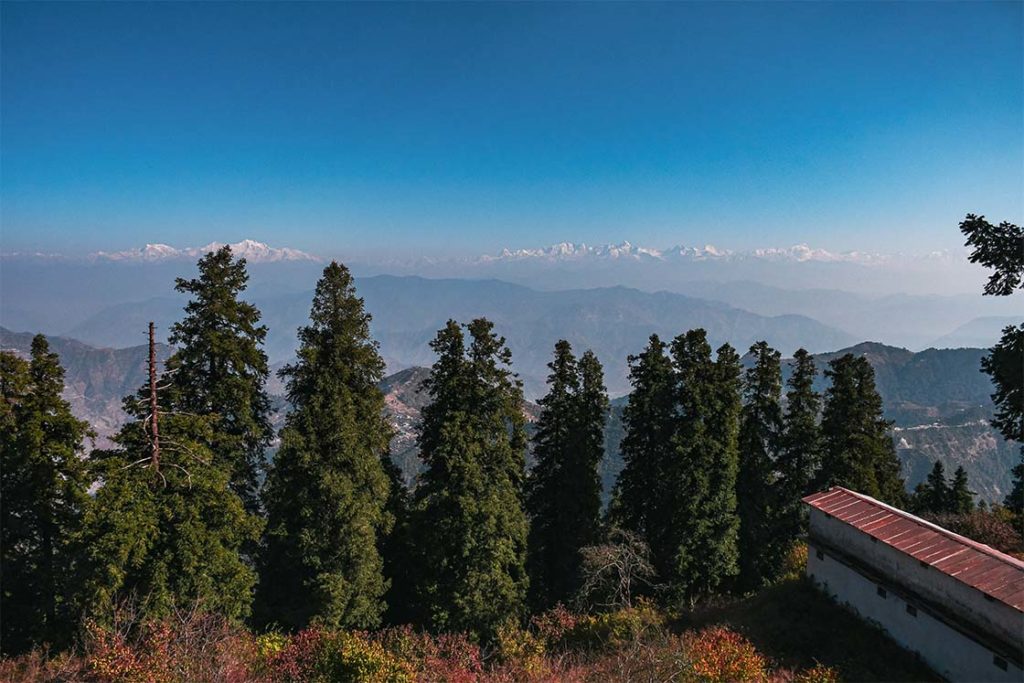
column 1000, row 662
column 820, row 555
column 882, row 593
column 911, row 610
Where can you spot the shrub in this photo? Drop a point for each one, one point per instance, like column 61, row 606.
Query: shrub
column 615, row 629
column 819, row 673
column 717, row 654
column 446, row 658
column 319, row 656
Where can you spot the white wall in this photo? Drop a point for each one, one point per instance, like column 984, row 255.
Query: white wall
column 967, row 602
column 950, row 653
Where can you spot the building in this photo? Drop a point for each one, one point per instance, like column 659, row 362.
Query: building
column 957, row 603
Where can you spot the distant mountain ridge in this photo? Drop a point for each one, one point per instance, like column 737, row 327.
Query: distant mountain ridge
column 408, row 311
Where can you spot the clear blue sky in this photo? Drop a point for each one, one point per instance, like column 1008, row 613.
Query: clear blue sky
column 467, row 127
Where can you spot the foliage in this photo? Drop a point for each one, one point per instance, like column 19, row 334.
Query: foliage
column 557, row 647
column 719, row 655
column 327, row 493
column 695, row 545
column 44, row 485
column 648, row 444
column 800, row 455
column 564, row 488
column 316, row 655
column 1001, row 248
column 858, row 448
column 996, row 528
column 762, row 540
column 170, row 534
column 468, row 509
column 615, row 629
column 219, row 368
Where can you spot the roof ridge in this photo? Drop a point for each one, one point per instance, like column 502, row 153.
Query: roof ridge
column 981, row 547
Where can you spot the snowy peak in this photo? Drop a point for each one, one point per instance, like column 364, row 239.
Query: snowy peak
column 568, row 251
column 251, row 250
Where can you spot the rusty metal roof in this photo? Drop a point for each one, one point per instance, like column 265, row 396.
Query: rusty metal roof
column 995, row 574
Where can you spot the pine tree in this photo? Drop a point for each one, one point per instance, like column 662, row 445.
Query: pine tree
column 220, row 367
column 44, row 488
column 800, row 457
column 761, row 541
column 564, row 488
column 961, row 498
column 936, row 494
column 858, row 450
column 469, row 518
column 648, row 446
column 592, row 415
column 171, row 535
column 694, row 542
column 327, row 492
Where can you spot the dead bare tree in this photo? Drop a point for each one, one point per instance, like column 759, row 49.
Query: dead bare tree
column 615, row 571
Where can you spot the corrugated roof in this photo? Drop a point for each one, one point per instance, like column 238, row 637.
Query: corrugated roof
column 995, row 574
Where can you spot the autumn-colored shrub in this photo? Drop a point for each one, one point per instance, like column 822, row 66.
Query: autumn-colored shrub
column 554, row 625
column 319, row 656
column 794, row 565
column 38, row 667
column 445, row 658
column 717, row 654
column 819, row 673
column 189, row 646
column 615, row 629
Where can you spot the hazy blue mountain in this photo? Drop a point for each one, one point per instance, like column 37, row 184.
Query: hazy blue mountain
column 982, row 332
column 408, row 311
column 64, row 296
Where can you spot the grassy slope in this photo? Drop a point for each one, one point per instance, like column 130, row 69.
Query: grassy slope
column 795, row 625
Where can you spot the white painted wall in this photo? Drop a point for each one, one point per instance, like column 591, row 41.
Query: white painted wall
column 950, row 653
column 967, row 602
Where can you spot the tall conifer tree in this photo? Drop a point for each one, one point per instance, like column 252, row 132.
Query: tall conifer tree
column 44, row 494
column 327, row 493
column 170, row 534
column 564, row 488
column 469, row 518
column 640, row 501
column 695, row 542
column 858, row 449
column 220, row 367
column 800, row 457
column 761, row 538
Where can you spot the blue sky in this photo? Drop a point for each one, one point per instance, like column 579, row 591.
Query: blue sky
column 438, row 128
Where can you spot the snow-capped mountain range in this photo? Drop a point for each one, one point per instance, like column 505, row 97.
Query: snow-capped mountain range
column 568, row 251
column 251, row 250
column 260, row 252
